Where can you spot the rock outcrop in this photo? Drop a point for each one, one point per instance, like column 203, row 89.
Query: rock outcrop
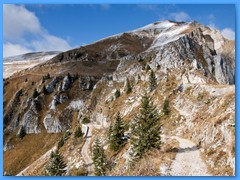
column 50, row 87
column 30, row 122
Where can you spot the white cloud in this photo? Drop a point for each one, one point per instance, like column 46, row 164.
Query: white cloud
column 180, row 16
column 18, row 23
column 49, row 42
column 228, row 33
column 18, row 20
column 14, row 49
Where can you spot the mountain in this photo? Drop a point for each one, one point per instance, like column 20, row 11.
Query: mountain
column 17, row 63
column 191, row 69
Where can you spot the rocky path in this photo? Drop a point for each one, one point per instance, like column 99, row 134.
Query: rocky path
column 188, row 161
column 85, row 151
column 36, row 164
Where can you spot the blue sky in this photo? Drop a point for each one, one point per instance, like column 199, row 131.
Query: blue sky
column 28, row 28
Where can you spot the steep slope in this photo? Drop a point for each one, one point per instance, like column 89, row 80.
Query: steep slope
column 194, row 68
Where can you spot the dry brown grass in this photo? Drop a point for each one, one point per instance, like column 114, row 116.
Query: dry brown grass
column 27, row 150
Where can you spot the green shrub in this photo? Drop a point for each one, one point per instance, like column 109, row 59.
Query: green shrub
column 117, row 93
column 78, row 133
column 35, row 93
column 86, row 120
column 61, row 143
column 22, row 133
column 166, row 108
column 128, row 87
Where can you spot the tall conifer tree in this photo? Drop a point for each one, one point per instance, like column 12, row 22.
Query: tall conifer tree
column 99, row 159
column 56, row 166
column 117, row 134
column 146, row 129
column 152, row 81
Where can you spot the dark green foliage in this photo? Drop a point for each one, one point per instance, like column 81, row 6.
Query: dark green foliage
column 56, row 166
column 48, row 76
column 140, row 59
column 99, row 159
column 146, row 129
column 69, row 77
column 78, row 133
column 63, row 139
column 166, row 108
column 44, row 78
column 128, row 87
column 86, row 120
column 110, row 130
column 117, row 133
column 76, row 76
column 117, row 93
column 35, row 93
column 26, row 80
column 152, row 81
column 44, row 90
column 22, row 133
column 61, row 143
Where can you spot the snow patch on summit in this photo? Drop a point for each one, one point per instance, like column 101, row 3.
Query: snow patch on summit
column 169, row 36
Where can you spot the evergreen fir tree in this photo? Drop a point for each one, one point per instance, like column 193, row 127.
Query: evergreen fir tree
column 56, row 166
column 35, row 93
column 22, row 133
column 69, row 77
column 116, row 137
column 146, row 129
column 76, row 76
column 48, row 76
column 86, row 120
column 99, row 159
column 152, row 81
column 128, row 87
column 110, row 130
column 44, row 90
column 166, row 109
column 117, row 93
column 61, row 143
column 78, row 133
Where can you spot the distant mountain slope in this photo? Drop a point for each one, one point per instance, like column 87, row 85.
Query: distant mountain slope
column 17, row 63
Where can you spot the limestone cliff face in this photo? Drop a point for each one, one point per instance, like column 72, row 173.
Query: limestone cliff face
column 177, row 45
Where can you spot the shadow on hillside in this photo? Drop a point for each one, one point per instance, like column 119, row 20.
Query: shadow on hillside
column 182, row 150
